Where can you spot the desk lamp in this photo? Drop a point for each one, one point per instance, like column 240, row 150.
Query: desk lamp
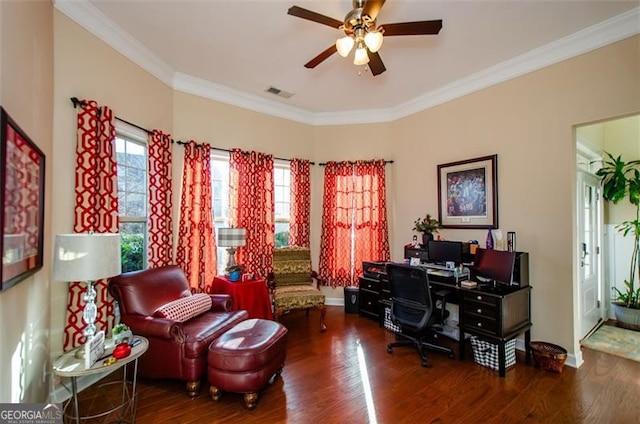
column 231, row 238
column 86, row 257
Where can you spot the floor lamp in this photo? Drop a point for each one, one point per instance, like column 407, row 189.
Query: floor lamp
column 231, row 238
column 86, row 257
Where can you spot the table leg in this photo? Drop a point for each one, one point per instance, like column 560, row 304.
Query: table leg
column 527, row 345
column 502, row 359
column 124, row 401
column 134, row 394
column 461, row 343
column 74, row 391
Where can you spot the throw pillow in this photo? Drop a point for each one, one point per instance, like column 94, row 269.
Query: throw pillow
column 185, row 308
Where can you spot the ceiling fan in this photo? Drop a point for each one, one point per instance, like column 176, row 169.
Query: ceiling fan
column 361, row 31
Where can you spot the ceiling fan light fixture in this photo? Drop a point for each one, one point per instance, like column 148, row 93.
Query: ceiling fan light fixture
column 361, row 57
column 373, row 40
column 344, row 45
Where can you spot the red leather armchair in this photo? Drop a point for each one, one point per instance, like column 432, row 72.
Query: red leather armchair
column 176, row 349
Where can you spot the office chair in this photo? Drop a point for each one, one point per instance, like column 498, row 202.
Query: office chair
column 412, row 309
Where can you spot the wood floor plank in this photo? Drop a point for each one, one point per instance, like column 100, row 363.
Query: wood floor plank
column 323, row 381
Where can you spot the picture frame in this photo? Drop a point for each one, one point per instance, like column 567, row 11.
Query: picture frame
column 468, row 193
column 22, row 178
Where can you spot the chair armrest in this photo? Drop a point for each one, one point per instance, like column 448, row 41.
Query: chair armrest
column 221, row 303
column 271, row 282
column 149, row 326
column 317, row 279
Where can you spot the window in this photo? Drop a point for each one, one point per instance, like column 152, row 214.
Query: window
column 282, row 197
column 220, row 198
column 131, row 154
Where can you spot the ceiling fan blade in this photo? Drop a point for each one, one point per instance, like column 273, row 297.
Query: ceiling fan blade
column 372, row 8
column 313, row 16
column 321, row 57
column 375, row 63
column 413, row 28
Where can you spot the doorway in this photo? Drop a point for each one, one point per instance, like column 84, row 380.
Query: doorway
column 602, row 253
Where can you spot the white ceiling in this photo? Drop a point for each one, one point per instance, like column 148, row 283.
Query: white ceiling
column 233, row 50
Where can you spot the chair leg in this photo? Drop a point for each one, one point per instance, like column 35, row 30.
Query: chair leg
column 193, row 388
column 323, row 313
column 438, row 348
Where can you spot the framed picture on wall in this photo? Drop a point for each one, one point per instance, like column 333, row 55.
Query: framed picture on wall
column 22, row 200
column 468, row 193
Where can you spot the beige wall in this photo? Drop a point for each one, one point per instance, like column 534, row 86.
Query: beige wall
column 85, row 67
column 26, row 90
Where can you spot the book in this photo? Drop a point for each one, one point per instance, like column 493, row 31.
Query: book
column 468, row 284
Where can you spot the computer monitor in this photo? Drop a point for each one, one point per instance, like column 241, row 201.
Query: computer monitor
column 494, row 265
column 441, row 252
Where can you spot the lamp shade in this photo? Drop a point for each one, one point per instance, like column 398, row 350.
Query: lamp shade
column 373, row 40
column 86, row 257
column 344, row 45
column 232, row 237
column 361, row 57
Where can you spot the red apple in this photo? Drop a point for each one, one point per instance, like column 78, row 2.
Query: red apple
column 122, row 350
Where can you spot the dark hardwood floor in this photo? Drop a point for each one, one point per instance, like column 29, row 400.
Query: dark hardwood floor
column 329, row 378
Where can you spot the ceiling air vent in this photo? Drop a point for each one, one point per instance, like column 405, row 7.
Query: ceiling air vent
column 278, row 92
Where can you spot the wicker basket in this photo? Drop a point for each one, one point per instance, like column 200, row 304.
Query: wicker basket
column 548, row 356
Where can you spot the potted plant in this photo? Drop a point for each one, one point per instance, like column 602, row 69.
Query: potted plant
column 427, row 226
column 620, row 180
column 121, row 333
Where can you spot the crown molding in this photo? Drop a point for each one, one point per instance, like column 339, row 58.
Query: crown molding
column 604, row 33
column 614, row 29
column 222, row 93
column 90, row 18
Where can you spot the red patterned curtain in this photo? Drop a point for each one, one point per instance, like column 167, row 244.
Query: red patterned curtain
column 300, row 213
column 196, row 252
column 251, row 207
column 96, row 209
column 371, row 239
column 354, row 220
column 337, row 219
column 160, row 243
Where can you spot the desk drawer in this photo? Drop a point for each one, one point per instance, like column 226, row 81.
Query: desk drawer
column 478, row 297
column 482, row 309
column 367, row 284
column 481, row 323
column 369, row 303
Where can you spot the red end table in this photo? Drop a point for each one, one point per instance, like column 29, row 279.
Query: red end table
column 252, row 295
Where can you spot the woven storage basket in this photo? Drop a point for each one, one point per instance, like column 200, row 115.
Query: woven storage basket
column 388, row 323
column 548, row 356
column 486, row 354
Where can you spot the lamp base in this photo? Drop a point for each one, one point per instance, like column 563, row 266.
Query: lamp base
column 231, row 259
column 79, row 354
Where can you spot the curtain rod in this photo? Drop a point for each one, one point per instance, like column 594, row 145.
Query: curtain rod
column 353, row 162
column 184, row 143
column 77, row 102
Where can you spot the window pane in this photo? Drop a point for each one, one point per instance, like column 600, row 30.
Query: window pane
column 132, row 245
column 132, row 200
column 282, row 234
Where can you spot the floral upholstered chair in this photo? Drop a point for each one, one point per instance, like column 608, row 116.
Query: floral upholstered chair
column 293, row 284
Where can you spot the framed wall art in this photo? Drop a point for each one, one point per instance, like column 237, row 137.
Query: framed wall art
column 22, row 199
column 468, row 193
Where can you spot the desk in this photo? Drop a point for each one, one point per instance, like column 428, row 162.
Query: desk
column 252, row 295
column 69, row 366
column 492, row 316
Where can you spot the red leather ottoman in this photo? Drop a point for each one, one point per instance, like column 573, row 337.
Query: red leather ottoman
column 245, row 358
